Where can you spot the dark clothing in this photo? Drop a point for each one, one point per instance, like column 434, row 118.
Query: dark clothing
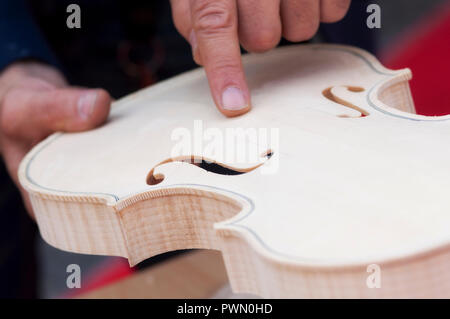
column 20, row 37
column 121, row 46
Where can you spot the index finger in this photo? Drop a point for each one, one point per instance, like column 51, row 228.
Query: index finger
column 216, row 30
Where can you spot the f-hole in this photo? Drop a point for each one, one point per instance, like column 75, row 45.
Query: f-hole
column 330, row 96
column 206, row 164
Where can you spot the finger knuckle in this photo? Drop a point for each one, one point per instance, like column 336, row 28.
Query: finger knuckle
column 293, row 34
column 212, row 17
column 226, row 66
column 301, row 33
column 8, row 119
column 331, row 17
column 335, row 11
column 263, row 40
column 308, row 30
column 342, row 5
column 178, row 25
column 181, row 25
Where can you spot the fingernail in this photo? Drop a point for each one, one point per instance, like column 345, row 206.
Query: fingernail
column 86, row 103
column 233, row 99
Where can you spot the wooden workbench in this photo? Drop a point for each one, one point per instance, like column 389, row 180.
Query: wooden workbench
column 198, row 274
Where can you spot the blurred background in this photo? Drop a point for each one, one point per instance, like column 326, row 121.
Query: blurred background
column 126, row 45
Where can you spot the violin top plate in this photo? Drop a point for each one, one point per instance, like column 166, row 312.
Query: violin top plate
column 332, row 169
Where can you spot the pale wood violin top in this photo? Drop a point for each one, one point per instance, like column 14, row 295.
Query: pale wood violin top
column 336, row 173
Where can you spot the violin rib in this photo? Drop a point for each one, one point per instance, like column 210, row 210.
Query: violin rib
column 330, row 187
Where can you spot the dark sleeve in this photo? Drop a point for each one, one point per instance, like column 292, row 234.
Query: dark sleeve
column 20, row 37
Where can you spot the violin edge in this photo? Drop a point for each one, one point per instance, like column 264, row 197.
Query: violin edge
column 238, row 248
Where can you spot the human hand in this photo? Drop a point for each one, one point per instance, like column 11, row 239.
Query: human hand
column 214, row 28
column 36, row 101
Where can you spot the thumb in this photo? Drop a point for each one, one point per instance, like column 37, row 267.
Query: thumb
column 32, row 114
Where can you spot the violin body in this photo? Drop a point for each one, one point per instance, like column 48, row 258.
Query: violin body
column 330, row 186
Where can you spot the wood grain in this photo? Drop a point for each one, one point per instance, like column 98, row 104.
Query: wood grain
column 355, row 178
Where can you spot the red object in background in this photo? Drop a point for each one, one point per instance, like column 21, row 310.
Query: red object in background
column 425, row 49
column 112, row 270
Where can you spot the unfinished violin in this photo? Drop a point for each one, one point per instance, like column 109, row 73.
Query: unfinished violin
column 331, row 186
